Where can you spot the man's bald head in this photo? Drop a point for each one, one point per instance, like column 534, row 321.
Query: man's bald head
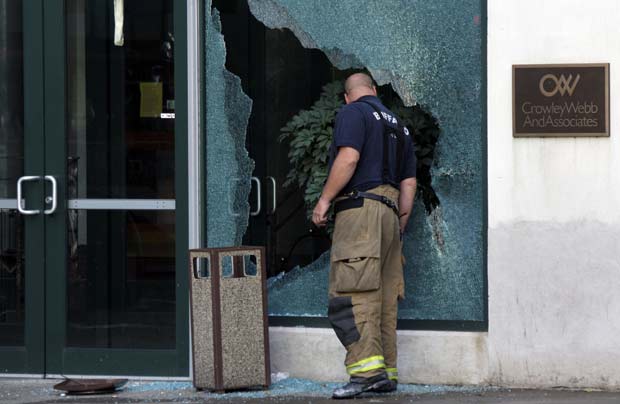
column 358, row 85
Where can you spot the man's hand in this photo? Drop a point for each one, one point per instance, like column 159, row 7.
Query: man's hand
column 319, row 214
column 405, row 201
column 340, row 174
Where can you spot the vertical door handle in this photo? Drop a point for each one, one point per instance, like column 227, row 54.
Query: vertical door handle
column 21, row 203
column 273, row 195
column 54, row 198
column 231, row 196
column 258, row 197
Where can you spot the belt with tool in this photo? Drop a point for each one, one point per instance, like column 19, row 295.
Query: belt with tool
column 356, row 198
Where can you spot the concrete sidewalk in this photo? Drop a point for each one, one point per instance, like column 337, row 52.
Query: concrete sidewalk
column 22, row 391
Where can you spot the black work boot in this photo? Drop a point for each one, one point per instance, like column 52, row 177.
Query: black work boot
column 359, row 385
column 388, row 387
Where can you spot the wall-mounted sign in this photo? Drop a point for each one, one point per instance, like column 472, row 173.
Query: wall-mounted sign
column 560, row 100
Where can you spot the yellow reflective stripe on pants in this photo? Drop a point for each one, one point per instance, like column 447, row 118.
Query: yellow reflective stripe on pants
column 392, row 373
column 366, row 365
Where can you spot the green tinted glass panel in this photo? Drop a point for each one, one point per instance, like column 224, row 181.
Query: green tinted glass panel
column 12, row 258
column 430, row 52
column 121, row 100
column 121, row 279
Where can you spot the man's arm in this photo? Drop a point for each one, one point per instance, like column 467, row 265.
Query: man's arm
column 339, row 176
column 405, row 200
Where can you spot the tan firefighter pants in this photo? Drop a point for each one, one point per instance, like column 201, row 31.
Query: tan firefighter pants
column 365, row 283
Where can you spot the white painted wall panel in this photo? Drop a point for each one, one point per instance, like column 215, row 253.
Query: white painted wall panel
column 554, row 208
column 560, row 179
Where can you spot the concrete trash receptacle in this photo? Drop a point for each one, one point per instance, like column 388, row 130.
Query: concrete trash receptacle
column 230, row 335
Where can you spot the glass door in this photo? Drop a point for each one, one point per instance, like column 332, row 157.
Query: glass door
column 114, row 237
column 102, row 230
column 21, row 178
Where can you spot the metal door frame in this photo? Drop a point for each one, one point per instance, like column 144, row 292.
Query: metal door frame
column 45, row 126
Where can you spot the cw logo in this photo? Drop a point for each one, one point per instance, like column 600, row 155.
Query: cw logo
column 563, row 84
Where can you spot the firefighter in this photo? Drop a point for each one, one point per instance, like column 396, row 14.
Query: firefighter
column 372, row 185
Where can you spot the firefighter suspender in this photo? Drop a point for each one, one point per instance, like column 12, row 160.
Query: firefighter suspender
column 400, row 144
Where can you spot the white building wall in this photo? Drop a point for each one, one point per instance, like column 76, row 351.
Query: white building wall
column 554, row 208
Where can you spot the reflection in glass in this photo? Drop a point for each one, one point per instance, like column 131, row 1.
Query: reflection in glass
column 11, row 278
column 12, row 264
column 119, row 146
column 121, row 279
column 11, row 97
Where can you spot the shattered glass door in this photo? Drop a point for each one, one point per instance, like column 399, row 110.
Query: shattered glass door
column 267, row 61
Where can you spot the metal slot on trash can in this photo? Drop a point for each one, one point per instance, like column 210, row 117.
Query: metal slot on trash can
column 230, row 334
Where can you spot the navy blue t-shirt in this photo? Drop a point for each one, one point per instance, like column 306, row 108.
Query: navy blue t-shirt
column 359, row 126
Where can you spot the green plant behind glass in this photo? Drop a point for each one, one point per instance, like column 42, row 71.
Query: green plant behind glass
column 310, row 135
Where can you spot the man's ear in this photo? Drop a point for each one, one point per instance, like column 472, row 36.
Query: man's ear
column 374, row 90
column 346, row 98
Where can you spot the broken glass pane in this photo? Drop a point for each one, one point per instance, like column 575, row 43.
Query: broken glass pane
column 430, row 52
column 228, row 166
column 302, row 291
